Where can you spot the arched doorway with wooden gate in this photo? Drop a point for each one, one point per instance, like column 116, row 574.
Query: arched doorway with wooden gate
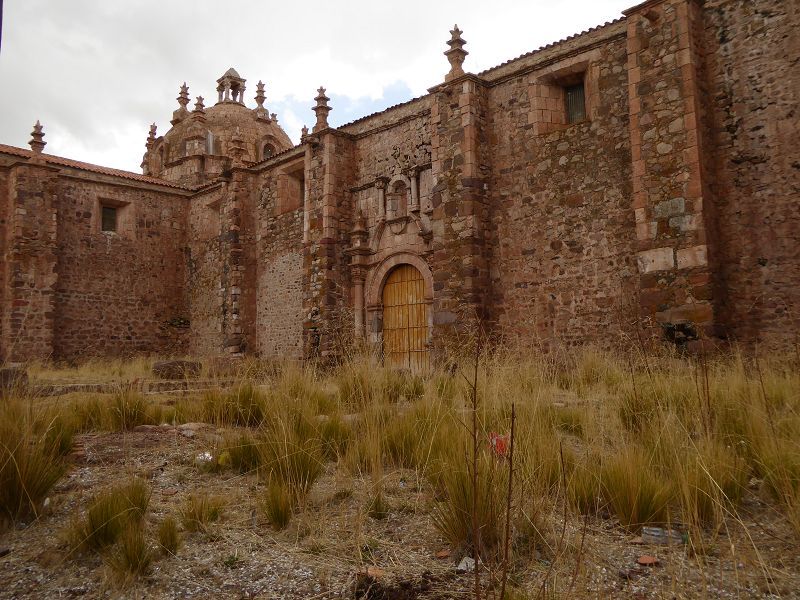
column 405, row 319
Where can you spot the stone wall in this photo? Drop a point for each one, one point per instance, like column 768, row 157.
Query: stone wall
column 4, row 241
column 753, row 65
column 279, row 263
column 673, row 202
column 119, row 293
column 562, row 263
column 204, row 273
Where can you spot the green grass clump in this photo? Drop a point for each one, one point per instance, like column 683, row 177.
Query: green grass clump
column 128, row 410
column 169, row 538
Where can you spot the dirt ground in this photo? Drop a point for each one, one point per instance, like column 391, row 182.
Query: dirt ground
column 322, row 552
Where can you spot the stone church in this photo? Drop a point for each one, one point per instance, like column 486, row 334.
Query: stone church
column 644, row 171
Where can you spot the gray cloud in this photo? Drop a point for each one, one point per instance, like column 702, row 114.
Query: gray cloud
column 97, row 72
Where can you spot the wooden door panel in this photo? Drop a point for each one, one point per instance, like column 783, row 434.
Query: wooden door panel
column 405, row 319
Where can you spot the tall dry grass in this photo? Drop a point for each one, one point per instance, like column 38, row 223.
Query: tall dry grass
column 664, row 439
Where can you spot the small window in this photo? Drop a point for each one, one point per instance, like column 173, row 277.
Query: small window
column 109, row 218
column 576, row 103
column 269, row 150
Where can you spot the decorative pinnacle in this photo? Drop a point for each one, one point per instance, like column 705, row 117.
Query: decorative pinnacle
column 456, row 54
column 151, row 137
column 274, row 117
column 37, row 143
column 199, row 107
column 183, row 96
column 260, row 96
column 321, row 109
column 303, row 134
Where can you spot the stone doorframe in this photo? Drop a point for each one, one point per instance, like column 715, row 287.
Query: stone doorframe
column 373, row 294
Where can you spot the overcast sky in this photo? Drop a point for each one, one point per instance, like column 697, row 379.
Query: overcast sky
column 98, row 72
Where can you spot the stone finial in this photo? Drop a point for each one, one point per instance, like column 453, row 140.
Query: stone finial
column 183, row 99
column 151, row 137
column 37, row 142
column 260, row 95
column 274, row 117
column 199, row 112
column 456, row 54
column 183, row 95
column 321, row 109
column 303, row 134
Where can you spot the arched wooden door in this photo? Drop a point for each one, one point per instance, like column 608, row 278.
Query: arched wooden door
column 405, row 320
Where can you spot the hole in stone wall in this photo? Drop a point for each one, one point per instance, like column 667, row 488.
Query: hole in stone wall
column 680, row 333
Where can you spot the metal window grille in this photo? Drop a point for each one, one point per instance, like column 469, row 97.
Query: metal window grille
column 109, row 222
column 576, row 103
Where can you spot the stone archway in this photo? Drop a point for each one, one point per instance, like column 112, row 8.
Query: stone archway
column 399, row 298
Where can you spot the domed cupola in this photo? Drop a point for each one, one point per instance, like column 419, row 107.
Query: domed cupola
column 205, row 142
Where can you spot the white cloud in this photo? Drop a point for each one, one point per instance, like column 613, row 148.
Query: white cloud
column 98, row 72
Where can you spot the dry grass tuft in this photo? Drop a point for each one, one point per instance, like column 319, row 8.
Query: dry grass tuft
column 200, row 511
column 32, row 446
column 132, row 555
column 108, row 515
column 634, row 490
column 277, row 505
column 169, row 538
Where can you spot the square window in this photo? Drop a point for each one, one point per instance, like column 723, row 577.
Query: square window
column 109, row 218
column 576, row 103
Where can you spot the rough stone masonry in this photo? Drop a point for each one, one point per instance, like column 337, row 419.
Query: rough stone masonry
column 644, row 171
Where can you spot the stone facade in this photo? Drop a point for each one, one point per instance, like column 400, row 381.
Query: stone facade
column 669, row 196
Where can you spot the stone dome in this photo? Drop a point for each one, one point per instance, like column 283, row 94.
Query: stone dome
column 205, row 142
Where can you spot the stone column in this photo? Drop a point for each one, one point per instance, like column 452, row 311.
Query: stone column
column 412, row 176
column 28, row 316
column 380, row 185
column 671, row 199
column 358, row 303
